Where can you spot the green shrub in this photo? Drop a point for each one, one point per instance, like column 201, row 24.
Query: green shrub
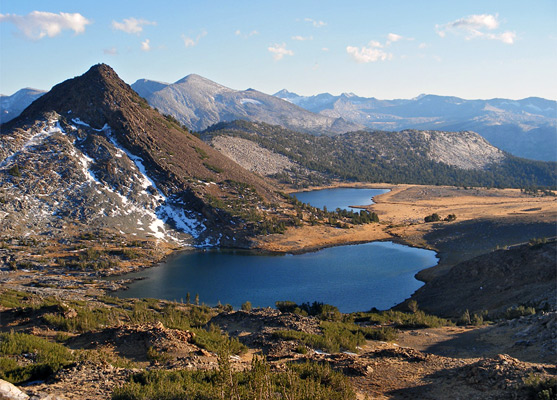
column 517, row 312
column 541, row 388
column 49, row 357
column 401, row 320
column 432, row 218
column 299, row 382
column 246, row 306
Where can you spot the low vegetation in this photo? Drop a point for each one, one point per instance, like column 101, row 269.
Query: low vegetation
column 299, row 381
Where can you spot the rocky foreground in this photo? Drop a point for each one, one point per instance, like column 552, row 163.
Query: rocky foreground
column 62, row 337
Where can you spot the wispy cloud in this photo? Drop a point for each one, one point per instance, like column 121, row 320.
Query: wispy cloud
column 316, row 24
column 145, row 45
column 112, row 51
column 39, row 24
column 246, row 35
column 191, row 42
column 476, row 27
column 132, row 25
column 302, row 38
column 279, row 51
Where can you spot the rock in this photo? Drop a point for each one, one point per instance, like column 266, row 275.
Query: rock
column 11, row 392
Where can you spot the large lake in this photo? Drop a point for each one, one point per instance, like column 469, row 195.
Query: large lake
column 342, row 198
column 353, row 278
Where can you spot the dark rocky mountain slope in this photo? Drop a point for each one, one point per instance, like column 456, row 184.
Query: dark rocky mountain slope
column 92, row 153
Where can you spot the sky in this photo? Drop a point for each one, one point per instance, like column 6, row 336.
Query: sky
column 384, row 49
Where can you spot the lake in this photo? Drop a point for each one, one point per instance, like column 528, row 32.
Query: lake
column 353, row 278
column 341, row 198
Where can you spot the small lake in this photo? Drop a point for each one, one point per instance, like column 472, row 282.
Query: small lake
column 353, row 278
column 341, row 198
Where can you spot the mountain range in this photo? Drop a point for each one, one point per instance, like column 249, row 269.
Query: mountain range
column 12, row 106
column 199, row 103
column 526, row 128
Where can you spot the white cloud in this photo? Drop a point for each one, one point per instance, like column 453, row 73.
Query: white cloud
column 39, row 24
column 302, row 38
column 476, row 26
column 393, row 37
column 505, row 37
column 246, row 35
column 325, row 49
column 112, row 51
column 190, row 42
column 372, row 53
column 132, row 25
column 423, row 45
column 374, row 50
column 145, row 45
column 316, row 24
column 279, row 51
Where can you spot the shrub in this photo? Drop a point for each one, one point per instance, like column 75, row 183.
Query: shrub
column 49, row 357
column 432, row 218
column 246, row 306
column 298, row 382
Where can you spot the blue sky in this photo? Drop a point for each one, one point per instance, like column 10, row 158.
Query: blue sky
column 385, row 49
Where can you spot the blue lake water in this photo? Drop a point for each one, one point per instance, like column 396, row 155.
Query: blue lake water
column 353, row 278
column 341, row 198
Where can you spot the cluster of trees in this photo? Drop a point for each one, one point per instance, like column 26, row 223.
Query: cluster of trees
column 339, row 218
column 325, row 312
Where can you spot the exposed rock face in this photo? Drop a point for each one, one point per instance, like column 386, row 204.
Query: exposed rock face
column 199, row 103
column 92, row 153
column 253, row 157
column 465, row 150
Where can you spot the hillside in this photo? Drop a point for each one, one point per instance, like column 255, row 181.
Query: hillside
column 525, row 128
column 520, row 276
column 91, row 154
column 198, row 103
column 410, row 156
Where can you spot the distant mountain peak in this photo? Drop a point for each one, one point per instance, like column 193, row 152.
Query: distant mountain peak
column 284, row 93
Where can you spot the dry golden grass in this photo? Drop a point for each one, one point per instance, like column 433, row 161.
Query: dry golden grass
column 402, row 211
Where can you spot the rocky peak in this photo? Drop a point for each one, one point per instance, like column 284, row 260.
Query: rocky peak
column 155, row 178
column 95, row 96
